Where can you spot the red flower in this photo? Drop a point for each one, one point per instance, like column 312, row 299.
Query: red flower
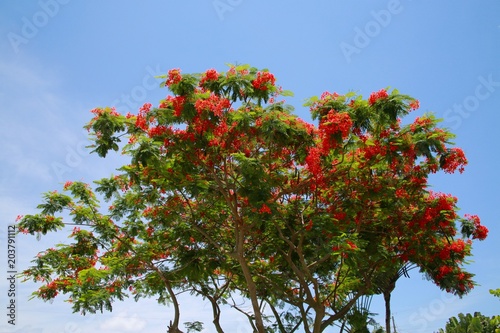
column 339, row 215
column 157, row 131
column 174, row 77
column 333, row 124
column 210, row 75
column 351, row 245
column 414, row 105
column 265, row 209
column 140, row 122
column 458, row 246
column 145, row 108
column 454, row 159
column 336, row 122
column 445, row 254
column 445, row 270
column 178, row 104
column 480, row 233
column 263, row 81
column 214, row 103
column 328, row 95
column 374, row 97
column 309, row 225
column 313, row 161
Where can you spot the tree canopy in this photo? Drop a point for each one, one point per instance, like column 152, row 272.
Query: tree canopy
column 469, row 323
column 229, row 194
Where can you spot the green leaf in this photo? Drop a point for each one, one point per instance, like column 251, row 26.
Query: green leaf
column 288, row 93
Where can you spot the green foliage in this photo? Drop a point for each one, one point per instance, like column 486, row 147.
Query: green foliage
column 469, row 323
column 228, row 193
column 195, row 326
column 495, row 292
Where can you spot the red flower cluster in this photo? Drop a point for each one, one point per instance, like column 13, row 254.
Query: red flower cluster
column 176, row 102
column 444, row 270
column 210, row 75
column 337, row 122
column 214, row 103
column 145, row 108
column 420, row 122
column 438, row 213
column 263, row 81
column 265, row 209
column 480, row 232
column 414, row 105
column 313, row 161
column 374, row 97
column 455, row 159
column 174, row 77
column 457, row 247
column 219, row 135
column 141, row 120
column 333, row 124
column 157, row 131
column 328, row 95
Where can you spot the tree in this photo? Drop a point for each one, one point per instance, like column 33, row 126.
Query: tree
column 228, row 194
column 468, row 323
column 359, row 318
column 495, row 292
column 386, row 283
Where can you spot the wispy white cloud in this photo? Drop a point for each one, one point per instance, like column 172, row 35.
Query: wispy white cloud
column 33, row 131
column 124, row 322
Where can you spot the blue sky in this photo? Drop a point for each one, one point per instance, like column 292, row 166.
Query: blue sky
column 61, row 58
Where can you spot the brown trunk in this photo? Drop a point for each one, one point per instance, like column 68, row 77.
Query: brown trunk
column 387, row 299
column 216, row 313
column 318, row 320
column 252, row 290
column 174, row 327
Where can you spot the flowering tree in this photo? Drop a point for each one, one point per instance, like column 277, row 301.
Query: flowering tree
column 228, row 194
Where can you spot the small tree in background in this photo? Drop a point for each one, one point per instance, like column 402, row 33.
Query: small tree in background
column 468, row 323
column 228, row 194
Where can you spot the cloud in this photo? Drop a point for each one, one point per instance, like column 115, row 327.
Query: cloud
column 24, row 329
column 124, row 322
column 36, row 126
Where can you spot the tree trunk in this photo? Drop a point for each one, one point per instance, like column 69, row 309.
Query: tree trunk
column 318, row 320
column 216, row 313
column 387, row 299
column 252, row 290
column 173, row 327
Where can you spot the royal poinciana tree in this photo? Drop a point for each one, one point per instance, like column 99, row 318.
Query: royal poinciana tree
column 230, row 196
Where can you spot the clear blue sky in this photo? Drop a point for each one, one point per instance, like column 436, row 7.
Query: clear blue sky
column 61, row 58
